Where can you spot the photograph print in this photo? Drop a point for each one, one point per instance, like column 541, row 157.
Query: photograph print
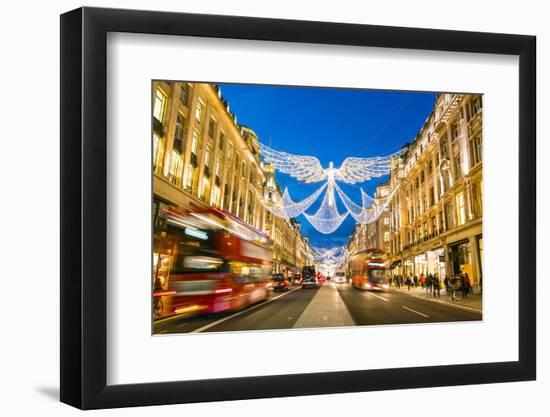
column 293, row 207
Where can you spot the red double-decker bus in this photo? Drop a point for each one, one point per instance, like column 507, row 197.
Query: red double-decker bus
column 213, row 262
column 368, row 269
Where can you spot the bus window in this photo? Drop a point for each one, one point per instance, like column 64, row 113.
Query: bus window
column 376, row 275
column 198, row 263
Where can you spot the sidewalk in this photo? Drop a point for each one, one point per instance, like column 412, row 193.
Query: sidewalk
column 327, row 309
column 472, row 302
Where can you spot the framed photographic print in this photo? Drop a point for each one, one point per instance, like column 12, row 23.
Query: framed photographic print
column 258, row 208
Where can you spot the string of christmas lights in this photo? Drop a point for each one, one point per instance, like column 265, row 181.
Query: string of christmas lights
column 327, row 219
column 330, row 258
column 309, row 170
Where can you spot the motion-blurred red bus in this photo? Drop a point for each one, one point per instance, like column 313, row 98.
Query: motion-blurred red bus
column 368, row 270
column 216, row 261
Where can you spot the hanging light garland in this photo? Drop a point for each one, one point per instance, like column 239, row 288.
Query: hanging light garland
column 284, row 206
column 327, row 219
column 330, row 258
column 309, row 170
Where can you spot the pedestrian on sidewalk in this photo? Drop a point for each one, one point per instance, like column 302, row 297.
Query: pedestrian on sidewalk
column 400, row 281
column 467, row 285
column 462, row 284
column 389, row 281
column 448, row 287
column 456, row 282
column 422, row 280
column 409, row 283
column 415, row 281
column 429, row 280
column 436, row 285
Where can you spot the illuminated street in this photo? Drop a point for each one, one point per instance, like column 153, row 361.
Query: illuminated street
column 364, row 308
column 351, row 207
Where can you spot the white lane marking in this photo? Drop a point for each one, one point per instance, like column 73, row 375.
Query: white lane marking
column 414, row 311
column 170, row 318
column 378, row 296
column 215, row 323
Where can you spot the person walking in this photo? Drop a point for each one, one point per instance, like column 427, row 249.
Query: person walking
column 462, row 284
column 436, row 285
column 456, row 283
column 400, row 281
column 447, row 283
column 430, row 280
column 415, row 281
column 467, row 285
column 409, row 283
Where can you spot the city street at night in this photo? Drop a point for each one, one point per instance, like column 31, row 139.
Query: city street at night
column 303, row 308
column 306, row 222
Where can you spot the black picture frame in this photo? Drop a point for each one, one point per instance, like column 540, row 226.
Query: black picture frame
column 84, row 207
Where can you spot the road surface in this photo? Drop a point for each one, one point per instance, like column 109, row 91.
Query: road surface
column 332, row 305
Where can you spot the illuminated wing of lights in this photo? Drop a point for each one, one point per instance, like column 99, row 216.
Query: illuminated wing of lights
column 355, row 170
column 303, row 168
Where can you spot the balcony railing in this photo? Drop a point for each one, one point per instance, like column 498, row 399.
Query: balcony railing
column 423, row 239
column 157, row 126
column 173, row 179
column 178, row 145
column 193, row 160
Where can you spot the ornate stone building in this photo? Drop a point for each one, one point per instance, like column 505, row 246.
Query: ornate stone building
column 435, row 217
column 375, row 234
column 203, row 158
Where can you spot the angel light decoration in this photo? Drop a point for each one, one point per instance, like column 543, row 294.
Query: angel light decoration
column 309, row 170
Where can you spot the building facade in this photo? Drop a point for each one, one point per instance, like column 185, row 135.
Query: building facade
column 375, row 234
column 434, row 220
column 203, row 158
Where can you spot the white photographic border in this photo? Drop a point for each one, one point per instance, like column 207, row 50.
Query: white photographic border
column 135, row 356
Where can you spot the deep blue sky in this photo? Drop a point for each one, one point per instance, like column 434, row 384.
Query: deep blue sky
column 330, row 124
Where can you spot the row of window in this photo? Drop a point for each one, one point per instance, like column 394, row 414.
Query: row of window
column 211, row 190
column 446, row 218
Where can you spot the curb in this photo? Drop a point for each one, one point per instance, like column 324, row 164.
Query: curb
column 446, row 303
